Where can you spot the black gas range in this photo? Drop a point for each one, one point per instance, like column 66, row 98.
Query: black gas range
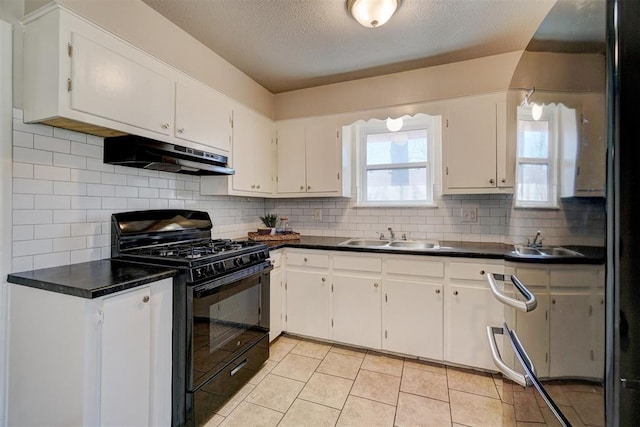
column 220, row 303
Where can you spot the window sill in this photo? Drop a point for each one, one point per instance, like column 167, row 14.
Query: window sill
column 537, row 207
column 397, row 205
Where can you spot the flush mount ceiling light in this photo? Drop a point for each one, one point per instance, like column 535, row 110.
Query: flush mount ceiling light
column 372, row 13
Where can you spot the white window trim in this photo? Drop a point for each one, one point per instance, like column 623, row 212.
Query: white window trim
column 379, row 126
column 550, row 115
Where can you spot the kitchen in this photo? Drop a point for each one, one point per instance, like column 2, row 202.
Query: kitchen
column 70, row 223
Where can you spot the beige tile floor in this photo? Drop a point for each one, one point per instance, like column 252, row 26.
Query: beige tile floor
column 307, row 383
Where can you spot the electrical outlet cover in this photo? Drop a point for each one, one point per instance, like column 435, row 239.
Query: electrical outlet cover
column 469, row 215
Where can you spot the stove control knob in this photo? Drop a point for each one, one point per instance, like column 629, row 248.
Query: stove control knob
column 197, row 273
column 237, row 262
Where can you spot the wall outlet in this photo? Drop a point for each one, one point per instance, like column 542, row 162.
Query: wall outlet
column 469, row 215
column 317, row 215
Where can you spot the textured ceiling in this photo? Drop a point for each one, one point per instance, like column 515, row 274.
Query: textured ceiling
column 292, row 44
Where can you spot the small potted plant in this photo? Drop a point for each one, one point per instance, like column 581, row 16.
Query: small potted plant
column 269, row 221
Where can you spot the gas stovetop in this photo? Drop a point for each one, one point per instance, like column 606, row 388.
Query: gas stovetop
column 182, row 239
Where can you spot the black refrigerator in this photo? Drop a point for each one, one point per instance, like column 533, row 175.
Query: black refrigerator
column 622, row 377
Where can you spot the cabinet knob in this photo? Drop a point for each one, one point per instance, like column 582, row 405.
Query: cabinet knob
column 437, row 291
column 181, row 131
column 253, row 186
column 258, row 186
column 302, row 187
column 145, row 299
column 553, row 301
column 492, row 181
column 165, row 126
column 305, row 260
column 482, row 272
column 503, row 180
column 455, row 292
column 324, row 279
column 375, row 285
column 309, row 187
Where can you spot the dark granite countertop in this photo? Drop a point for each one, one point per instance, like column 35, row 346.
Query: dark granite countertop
column 92, row 279
column 592, row 255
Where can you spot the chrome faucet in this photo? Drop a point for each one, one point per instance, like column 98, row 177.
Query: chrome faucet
column 393, row 235
column 535, row 240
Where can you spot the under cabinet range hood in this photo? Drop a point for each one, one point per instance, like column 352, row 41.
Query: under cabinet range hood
column 138, row 152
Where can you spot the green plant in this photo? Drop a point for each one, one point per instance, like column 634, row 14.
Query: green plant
column 269, row 220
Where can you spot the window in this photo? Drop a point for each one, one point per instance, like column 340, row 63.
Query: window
column 396, row 168
column 538, row 147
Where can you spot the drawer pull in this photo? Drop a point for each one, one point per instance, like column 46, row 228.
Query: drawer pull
column 237, row 368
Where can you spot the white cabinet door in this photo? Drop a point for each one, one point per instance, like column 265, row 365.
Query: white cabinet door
column 470, row 147
column 533, row 331
column 322, row 157
column 469, row 310
column 570, row 339
column 308, row 294
column 356, row 310
column 108, row 84
column 126, row 358
column 291, row 158
column 413, row 318
column 252, row 157
column 598, row 323
column 203, row 116
column 275, row 302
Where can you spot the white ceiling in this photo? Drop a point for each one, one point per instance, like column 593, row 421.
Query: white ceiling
column 292, row 44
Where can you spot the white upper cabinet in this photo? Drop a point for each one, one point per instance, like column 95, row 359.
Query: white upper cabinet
column 474, row 152
column 106, row 82
column 309, row 158
column 252, row 158
column 203, row 116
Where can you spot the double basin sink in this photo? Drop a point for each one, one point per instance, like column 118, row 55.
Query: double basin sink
column 432, row 245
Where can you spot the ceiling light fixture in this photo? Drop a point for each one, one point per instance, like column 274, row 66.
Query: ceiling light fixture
column 536, row 110
column 394, row 125
column 372, row 13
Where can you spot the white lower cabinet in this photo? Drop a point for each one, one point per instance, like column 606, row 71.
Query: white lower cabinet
column 276, row 296
column 308, row 294
column 77, row 361
column 469, row 307
column 356, row 310
column 413, row 318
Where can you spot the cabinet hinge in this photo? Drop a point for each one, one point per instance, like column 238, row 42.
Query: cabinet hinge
column 69, row 50
column 286, row 317
column 332, row 323
column 446, row 123
column 590, row 310
column 385, row 298
column 332, row 287
column 385, row 334
column 285, row 286
column 337, row 133
column 259, row 312
column 68, row 85
column 100, row 316
column 276, row 178
column 231, row 121
column 338, row 175
column 546, row 315
column 276, row 141
column 546, row 357
column 447, row 170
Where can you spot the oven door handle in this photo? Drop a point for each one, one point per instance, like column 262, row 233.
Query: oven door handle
column 514, row 376
column 530, row 302
column 237, row 368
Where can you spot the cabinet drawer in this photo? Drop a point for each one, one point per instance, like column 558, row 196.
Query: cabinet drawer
column 308, row 259
column 415, row 268
column 578, row 278
column 356, row 263
column 276, row 259
column 473, row 271
column 533, row 277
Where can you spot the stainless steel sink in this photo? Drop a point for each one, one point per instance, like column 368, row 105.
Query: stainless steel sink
column 365, row 242
column 392, row 244
column 546, row 251
column 413, row 244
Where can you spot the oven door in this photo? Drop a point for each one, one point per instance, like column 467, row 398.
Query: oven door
column 227, row 317
column 542, row 396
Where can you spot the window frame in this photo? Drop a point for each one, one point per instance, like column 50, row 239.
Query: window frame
column 549, row 114
column 376, row 126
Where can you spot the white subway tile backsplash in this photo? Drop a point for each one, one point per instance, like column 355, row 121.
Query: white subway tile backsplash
column 22, row 232
column 32, row 247
column 124, row 191
column 32, row 216
column 95, row 140
column 32, row 186
column 22, row 139
column 137, row 181
column 48, row 143
column 51, row 260
column 69, row 243
column 86, row 150
column 50, row 231
column 28, row 155
column 22, row 263
column 98, row 240
column 36, row 128
column 114, row 178
column 69, row 188
column 158, row 204
column 92, row 177
column 97, row 165
column 22, row 201
column 114, row 203
column 149, row 193
column 142, row 204
column 158, row 183
column 52, row 173
column 22, row 170
column 101, row 190
column 86, row 228
column 69, row 161
column 69, row 134
column 86, row 202
column 68, row 216
column 85, row 255
column 52, row 202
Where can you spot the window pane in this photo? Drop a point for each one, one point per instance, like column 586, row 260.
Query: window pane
column 397, row 147
column 388, row 185
column 534, row 182
column 533, row 139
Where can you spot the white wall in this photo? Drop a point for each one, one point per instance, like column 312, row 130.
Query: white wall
column 63, row 197
column 5, row 202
